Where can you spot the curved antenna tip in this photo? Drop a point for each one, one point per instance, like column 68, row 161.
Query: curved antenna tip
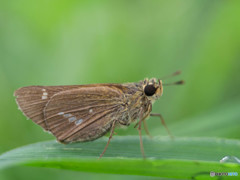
column 180, row 82
column 177, row 72
column 175, row 83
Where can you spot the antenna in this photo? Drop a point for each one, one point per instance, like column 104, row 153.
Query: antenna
column 175, row 83
column 171, row 75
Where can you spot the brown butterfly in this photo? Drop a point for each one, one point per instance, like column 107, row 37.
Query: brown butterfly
column 81, row 113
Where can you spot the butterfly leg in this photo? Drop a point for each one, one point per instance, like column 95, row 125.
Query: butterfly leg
column 163, row 122
column 140, row 136
column 110, row 137
column 146, row 128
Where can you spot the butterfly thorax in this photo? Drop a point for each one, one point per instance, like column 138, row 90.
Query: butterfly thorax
column 137, row 104
column 139, row 98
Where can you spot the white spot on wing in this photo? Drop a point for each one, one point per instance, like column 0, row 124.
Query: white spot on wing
column 78, row 121
column 60, row 113
column 45, row 94
column 44, row 97
column 71, row 119
column 67, row 115
column 90, row 110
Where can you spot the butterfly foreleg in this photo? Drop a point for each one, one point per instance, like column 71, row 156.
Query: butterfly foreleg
column 146, row 128
column 109, row 139
column 163, row 122
column 140, row 136
column 141, row 119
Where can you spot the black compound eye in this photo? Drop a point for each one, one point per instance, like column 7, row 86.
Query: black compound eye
column 149, row 90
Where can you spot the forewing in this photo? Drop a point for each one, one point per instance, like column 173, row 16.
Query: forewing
column 31, row 100
column 83, row 114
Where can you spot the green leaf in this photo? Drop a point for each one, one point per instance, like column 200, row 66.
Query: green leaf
column 165, row 157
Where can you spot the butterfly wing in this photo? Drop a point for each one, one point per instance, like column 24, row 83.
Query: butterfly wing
column 85, row 113
column 31, row 100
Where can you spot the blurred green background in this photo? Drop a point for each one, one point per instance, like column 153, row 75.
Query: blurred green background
column 62, row 42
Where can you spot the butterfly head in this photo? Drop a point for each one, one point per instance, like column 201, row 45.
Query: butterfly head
column 152, row 88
